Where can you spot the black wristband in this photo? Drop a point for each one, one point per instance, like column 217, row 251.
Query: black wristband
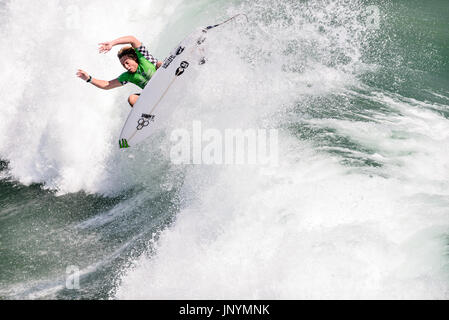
column 90, row 79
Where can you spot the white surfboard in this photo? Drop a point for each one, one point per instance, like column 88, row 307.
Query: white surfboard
column 148, row 112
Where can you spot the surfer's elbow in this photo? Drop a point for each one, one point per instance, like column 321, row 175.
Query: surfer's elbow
column 135, row 43
column 104, row 86
column 111, row 84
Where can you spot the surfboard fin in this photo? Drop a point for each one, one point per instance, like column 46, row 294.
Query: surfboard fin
column 123, row 144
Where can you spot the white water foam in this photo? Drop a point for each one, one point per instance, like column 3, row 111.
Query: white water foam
column 63, row 133
column 58, row 130
column 309, row 228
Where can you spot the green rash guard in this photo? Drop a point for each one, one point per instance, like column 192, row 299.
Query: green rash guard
column 145, row 70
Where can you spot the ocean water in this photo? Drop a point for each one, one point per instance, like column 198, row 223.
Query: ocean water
column 358, row 206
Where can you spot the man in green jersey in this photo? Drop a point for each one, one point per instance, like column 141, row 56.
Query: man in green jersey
column 138, row 62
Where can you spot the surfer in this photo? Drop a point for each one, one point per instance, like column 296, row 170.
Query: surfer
column 136, row 59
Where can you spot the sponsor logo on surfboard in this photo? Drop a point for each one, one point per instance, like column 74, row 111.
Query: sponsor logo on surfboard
column 141, row 123
column 184, row 65
column 144, row 121
column 172, row 57
column 148, row 116
column 168, row 61
column 200, row 40
column 180, row 50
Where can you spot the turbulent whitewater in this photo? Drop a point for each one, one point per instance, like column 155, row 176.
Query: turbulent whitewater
column 357, row 206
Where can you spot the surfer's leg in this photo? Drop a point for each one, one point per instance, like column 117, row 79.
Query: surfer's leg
column 133, row 99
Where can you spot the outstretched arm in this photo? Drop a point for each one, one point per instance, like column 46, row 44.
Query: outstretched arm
column 102, row 84
column 106, row 46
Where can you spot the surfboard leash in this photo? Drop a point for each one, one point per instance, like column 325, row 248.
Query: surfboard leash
column 217, row 25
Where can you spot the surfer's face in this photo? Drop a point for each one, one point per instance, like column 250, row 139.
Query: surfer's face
column 129, row 64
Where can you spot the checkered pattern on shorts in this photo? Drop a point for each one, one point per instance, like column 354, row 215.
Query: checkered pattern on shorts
column 143, row 50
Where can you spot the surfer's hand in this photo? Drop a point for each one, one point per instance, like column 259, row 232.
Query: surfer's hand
column 82, row 74
column 105, row 47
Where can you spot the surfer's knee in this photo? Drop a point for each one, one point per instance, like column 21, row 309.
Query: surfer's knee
column 132, row 99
